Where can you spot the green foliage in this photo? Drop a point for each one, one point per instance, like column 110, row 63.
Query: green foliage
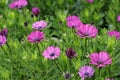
column 22, row 61
column 112, row 13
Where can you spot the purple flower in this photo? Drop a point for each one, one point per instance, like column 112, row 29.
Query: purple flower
column 118, row 18
column 73, row 21
column 35, row 37
column 90, row 1
column 51, row 52
column 70, row 53
column 86, row 30
column 4, row 32
column 86, row 72
column 39, row 25
column 100, row 59
column 35, row 11
column 18, row 4
column 3, row 40
column 114, row 33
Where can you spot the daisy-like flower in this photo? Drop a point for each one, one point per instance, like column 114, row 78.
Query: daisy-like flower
column 118, row 18
column 39, row 25
column 18, row 4
column 87, row 30
column 51, row 52
column 73, row 21
column 100, row 59
column 35, row 37
column 90, row 1
column 70, row 53
column 86, row 72
column 114, row 33
column 35, row 11
column 4, row 32
column 3, row 40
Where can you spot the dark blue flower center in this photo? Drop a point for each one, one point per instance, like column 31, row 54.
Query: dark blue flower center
column 86, row 73
column 39, row 27
column 36, row 39
column 52, row 54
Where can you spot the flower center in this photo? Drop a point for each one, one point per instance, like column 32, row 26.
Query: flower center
column 39, row 27
column 86, row 34
column 86, row 73
column 35, row 39
column 52, row 54
column 99, row 62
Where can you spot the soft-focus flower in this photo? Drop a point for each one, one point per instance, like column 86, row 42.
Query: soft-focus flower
column 118, row 18
column 114, row 33
column 109, row 79
column 73, row 21
column 86, row 72
column 35, row 11
column 51, row 52
column 4, row 32
column 39, row 25
column 67, row 76
column 18, row 4
column 90, row 1
column 87, row 30
column 35, row 37
column 70, row 53
column 100, row 59
column 3, row 40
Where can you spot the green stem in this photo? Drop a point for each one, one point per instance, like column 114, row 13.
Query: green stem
column 3, row 50
column 73, row 31
column 38, row 49
column 86, row 45
column 99, row 73
column 70, row 64
column 110, row 70
column 8, row 47
column 57, row 66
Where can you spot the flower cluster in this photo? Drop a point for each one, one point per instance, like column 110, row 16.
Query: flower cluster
column 87, row 32
column 100, row 59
